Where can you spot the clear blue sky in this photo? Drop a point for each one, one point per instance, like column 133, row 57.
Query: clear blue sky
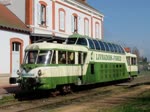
column 126, row 22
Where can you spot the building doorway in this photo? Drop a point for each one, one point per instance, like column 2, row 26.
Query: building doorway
column 16, row 56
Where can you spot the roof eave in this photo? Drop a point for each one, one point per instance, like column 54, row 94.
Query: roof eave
column 15, row 29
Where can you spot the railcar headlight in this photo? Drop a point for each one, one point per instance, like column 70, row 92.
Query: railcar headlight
column 39, row 73
column 18, row 72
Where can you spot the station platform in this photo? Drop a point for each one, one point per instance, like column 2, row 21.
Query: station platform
column 6, row 88
column 4, row 81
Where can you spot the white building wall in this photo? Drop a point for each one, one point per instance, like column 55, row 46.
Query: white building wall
column 36, row 28
column 18, row 7
column 69, row 11
column 5, row 48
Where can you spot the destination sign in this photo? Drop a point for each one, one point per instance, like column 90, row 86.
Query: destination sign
column 108, row 57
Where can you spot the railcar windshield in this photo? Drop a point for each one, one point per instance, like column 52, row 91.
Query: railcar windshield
column 33, row 57
column 44, row 57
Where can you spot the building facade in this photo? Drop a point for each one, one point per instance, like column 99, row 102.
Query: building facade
column 14, row 38
column 58, row 19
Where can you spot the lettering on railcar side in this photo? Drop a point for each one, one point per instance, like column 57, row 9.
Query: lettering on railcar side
column 108, row 57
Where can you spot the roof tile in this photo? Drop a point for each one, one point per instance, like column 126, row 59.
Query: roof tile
column 84, row 2
column 10, row 20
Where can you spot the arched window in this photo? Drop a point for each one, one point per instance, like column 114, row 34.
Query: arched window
column 97, row 30
column 62, row 20
column 74, row 23
column 86, row 26
column 42, row 11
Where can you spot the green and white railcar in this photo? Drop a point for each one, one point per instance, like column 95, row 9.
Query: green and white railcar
column 80, row 61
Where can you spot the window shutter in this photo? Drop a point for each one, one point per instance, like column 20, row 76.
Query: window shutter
column 62, row 20
column 79, row 25
column 47, row 16
column 86, row 27
column 72, row 23
column 38, row 13
column 97, row 31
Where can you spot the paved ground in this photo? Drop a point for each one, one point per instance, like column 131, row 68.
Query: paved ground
column 6, row 88
column 4, row 81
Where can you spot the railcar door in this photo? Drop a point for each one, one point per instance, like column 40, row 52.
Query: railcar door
column 129, row 64
column 81, row 62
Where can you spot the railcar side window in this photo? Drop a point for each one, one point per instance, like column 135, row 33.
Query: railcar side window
column 62, row 57
column 71, row 40
column 106, row 46
column 133, row 61
column 82, row 41
column 54, row 57
column 71, row 57
column 111, row 47
column 91, row 44
column 96, row 44
column 119, row 50
column 122, row 51
column 102, row 46
column 81, row 58
column 115, row 47
column 128, row 60
column 44, row 57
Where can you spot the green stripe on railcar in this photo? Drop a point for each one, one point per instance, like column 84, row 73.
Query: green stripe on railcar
column 52, row 82
column 103, row 72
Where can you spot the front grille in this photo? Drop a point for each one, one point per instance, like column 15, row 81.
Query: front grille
column 31, row 81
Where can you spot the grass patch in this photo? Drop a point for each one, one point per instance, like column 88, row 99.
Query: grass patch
column 140, row 104
column 6, row 99
column 144, row 73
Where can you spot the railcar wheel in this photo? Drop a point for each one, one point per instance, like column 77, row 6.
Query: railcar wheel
column 55, row 92
column 131, row 78
column 65, row 89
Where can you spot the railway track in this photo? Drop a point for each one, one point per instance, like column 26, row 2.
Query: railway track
column 21, row 106
column 52, row 103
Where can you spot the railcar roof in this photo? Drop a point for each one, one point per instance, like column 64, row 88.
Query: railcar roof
column 94, row 44
column 46, row 45
column 131, row 55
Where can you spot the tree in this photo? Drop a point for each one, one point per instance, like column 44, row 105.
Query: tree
column 136, row 52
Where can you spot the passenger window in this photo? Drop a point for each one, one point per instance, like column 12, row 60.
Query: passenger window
column 61, row 57
column 106, row 46
column 54, row 57
column 91, row 44
column 82, row 41
column 133, row 61
column 81, row 58
column 111, row 47
column 71, row 57
column 71, row 40
column 128, row 60
column 122, row 50
column 102, row 45
column 119, row 50
column 115, row 47
column 96, row 44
